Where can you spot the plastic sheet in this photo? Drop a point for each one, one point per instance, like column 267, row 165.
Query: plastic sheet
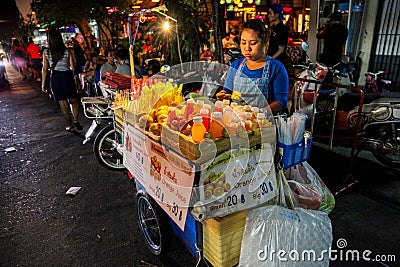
column 277, row 236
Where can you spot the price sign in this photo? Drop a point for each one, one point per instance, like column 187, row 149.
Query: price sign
column 135, row 152
column 170, row 181
column 166, row 176
column 237, row 180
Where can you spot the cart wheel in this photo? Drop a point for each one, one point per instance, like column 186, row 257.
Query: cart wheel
column 154, row 225
column 105, row 148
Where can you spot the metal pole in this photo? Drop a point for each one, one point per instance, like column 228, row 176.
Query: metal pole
column 333, row 118
column 348, row 25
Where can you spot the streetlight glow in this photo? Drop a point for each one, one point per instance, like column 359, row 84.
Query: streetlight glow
column 166, row 25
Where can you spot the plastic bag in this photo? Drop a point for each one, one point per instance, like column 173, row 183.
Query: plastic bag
column 277, row 236
column 307, row 188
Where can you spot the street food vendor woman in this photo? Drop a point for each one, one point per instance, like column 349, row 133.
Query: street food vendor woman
column 260, row 79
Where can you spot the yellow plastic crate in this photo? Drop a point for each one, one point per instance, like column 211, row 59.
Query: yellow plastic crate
column 222, row 239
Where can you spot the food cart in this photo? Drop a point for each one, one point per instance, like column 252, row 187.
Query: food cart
column 199, row 189
column 202, row 190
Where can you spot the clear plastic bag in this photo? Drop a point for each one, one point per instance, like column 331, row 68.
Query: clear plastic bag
column 276, row 236
column 307, row 188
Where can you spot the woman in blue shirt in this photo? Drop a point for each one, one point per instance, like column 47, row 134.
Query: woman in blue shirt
column 260, row 79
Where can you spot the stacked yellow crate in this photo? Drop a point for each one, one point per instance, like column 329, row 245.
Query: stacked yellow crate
column 222, row 239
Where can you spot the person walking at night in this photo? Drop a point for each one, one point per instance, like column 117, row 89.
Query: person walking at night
column 62, row 85
column 278, row 36
column 334, row 34
column 19, row 54
column 35, row 58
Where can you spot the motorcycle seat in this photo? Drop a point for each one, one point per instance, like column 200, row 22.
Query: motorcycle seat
column 350, row 100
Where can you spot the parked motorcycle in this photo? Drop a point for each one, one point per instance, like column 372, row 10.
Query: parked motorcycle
column 379, row 124
column 379, row 130
column 106, row 139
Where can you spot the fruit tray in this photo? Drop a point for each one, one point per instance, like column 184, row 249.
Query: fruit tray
column 209, row 148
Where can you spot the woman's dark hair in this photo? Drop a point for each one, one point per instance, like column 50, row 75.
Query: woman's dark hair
column 15, row 42
column 122, row 53
column 109, row 51
column 259, row 27
column 56, row 44
column 336, row 16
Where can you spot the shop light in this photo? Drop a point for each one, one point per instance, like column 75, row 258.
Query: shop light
column 240, row 4
column 221, row 2
column 228, row 1
column 229, row 8
column 250, row 1
column 287, row 9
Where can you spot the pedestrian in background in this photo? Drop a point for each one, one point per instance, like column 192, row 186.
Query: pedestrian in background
column 109, row 65
column 62, row 85
column 334, row 34
column 35, row 59
column 278, row 36
column 19, row 54
column 123, row 66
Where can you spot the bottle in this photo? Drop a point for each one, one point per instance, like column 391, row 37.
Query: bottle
column 216, row 125
column 247, row 125
column 254, row 111
column 207, row 106
column 199, row 106
column 198, row 129
column 205, row 115
column 260, row 119
column 228, row 115
column 247, row 108
column 219, row 106
column 233, row 128
column 226, row 102
column 248, row 121
column 234, row 105
column 189, row 110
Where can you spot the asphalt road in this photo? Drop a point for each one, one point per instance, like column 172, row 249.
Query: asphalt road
column 41, row 226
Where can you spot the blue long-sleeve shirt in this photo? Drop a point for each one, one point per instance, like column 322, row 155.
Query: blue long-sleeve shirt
column 278, row 86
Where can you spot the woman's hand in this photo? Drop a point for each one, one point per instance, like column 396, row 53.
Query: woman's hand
column 221, row 95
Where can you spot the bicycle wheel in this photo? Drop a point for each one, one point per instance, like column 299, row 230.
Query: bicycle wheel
column 105, row 148
column 154, row 225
